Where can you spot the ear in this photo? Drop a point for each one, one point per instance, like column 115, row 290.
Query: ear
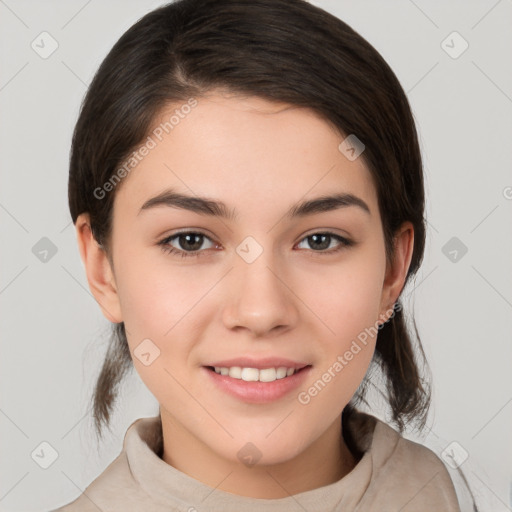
column 396, row 271
column 100, row 275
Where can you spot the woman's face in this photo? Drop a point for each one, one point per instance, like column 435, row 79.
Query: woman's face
column 267, row 273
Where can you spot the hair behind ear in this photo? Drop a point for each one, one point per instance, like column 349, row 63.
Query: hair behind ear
column 116, row 365
column 408, row 394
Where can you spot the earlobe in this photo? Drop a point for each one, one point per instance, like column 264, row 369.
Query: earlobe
column 99, row 273
column 396, row 272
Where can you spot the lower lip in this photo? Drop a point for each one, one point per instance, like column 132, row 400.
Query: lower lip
column 258, row 392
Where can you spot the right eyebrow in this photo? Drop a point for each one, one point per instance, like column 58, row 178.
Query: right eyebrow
column 200, row 205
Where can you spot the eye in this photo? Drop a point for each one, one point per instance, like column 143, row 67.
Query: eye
column 321, row 241
column 192, row 243
column 186, row 243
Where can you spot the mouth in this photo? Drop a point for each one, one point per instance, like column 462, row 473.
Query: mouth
column 257, row 383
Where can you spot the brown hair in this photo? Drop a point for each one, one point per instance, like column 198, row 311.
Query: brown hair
column 280, row 50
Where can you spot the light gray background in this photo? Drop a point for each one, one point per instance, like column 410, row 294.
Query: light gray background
column 53, row 333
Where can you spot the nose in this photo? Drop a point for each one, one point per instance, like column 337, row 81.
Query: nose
column 259, row 298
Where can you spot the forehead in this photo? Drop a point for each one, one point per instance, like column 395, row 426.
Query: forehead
column 248, row 151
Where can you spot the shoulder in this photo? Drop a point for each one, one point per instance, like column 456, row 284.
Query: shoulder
column 404, row 471
column 117, row 480
column 114, row 478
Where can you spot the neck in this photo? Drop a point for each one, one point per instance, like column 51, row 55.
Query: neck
column 324, row 462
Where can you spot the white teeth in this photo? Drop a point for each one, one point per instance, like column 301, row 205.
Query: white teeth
column 250, row 374
column 235, row 372
column 281, row 372
column 268, row 375
column 254, row 375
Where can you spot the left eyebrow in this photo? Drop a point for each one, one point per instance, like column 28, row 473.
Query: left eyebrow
column 327, row 203
column 206, row 206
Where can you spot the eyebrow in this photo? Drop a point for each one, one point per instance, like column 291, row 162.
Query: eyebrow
column 205, row 206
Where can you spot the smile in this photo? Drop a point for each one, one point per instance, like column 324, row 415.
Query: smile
column 257, row 385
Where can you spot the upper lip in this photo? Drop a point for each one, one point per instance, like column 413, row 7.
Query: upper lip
column 260, row 363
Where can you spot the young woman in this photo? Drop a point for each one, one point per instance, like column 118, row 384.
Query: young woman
column 247, row 189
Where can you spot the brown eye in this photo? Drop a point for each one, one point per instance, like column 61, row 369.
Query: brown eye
column 188, row 243
column 320, row 242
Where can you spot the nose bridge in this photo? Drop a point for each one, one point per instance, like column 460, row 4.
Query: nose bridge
column 259, row 301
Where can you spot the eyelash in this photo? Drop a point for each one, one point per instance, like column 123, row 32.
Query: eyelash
column 168, row 249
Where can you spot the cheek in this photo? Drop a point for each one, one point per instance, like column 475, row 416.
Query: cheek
column 157, row 298
column 165, row 312
column 164, row 317
column 349, row 307
column 347, row 297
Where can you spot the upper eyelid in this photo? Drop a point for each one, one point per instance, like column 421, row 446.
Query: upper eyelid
column 168, row 238
column 187, row 231
column 328, row 231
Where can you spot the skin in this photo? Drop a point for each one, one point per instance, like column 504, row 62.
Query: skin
column 295, row 300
